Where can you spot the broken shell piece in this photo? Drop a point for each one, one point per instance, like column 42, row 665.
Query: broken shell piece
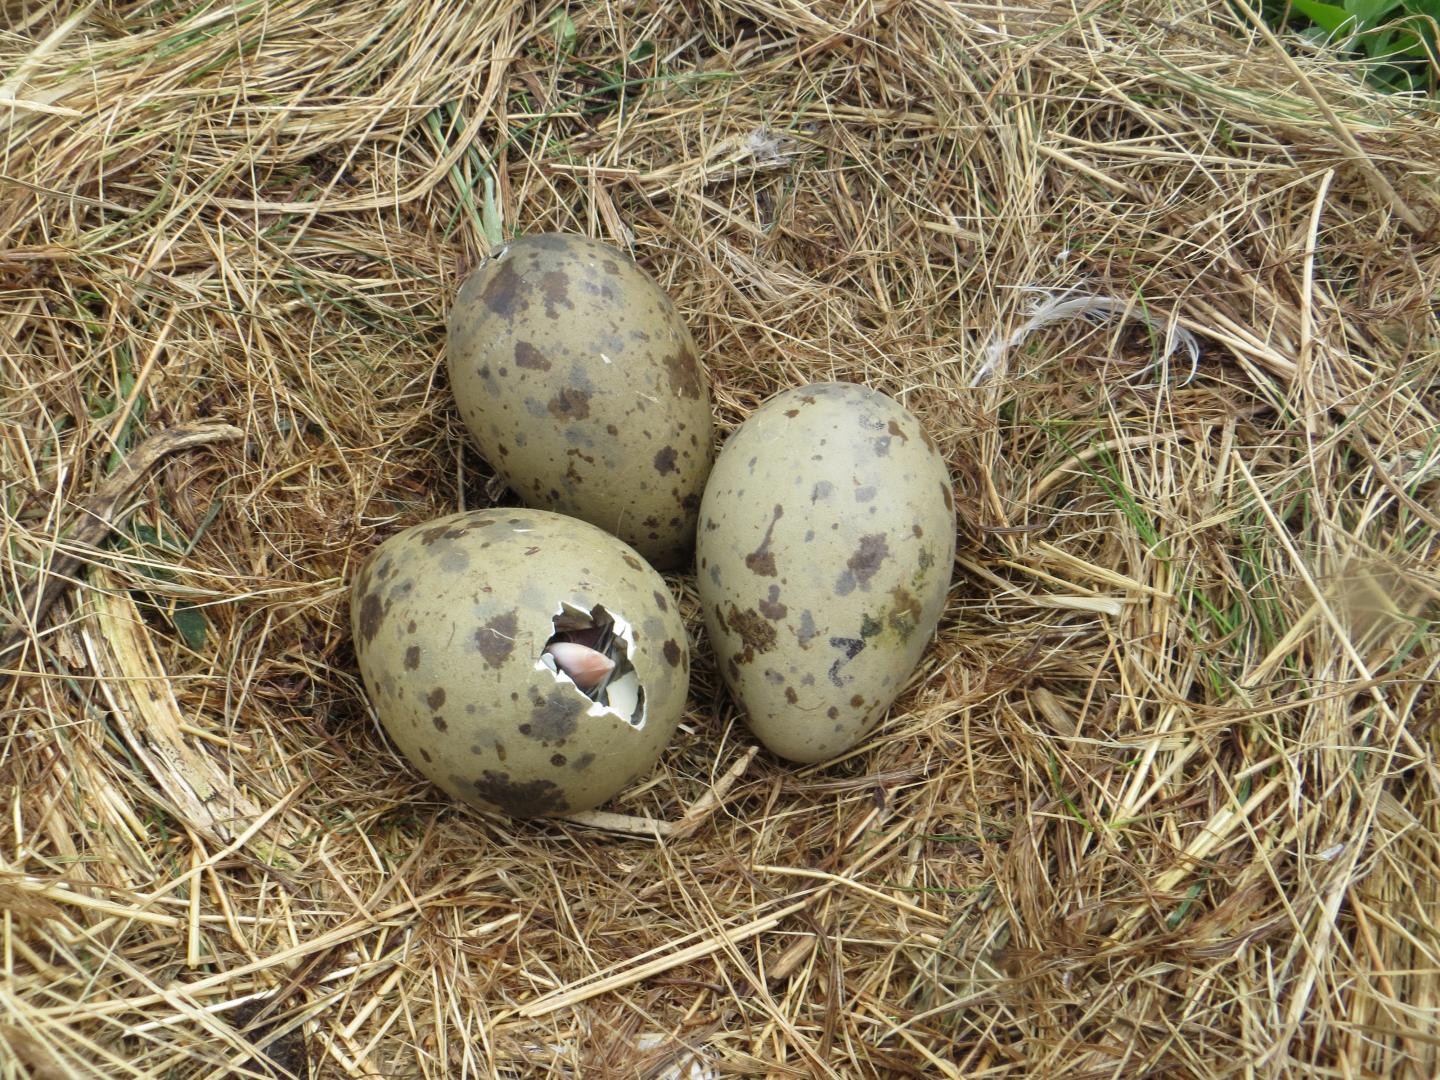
column 586, row 667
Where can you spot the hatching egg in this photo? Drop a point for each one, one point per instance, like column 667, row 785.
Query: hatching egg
column 825, row 547
column 581, row 385
column 523, row 661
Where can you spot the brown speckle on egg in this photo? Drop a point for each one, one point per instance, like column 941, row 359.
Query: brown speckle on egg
column 532, row 798
column 530, row 358
column 495, row 641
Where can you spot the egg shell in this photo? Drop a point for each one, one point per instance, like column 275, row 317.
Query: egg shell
column 450, row 618
column 825, row 549
column 581, row 385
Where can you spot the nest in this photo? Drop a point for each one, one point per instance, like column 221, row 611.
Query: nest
column 1162, row 798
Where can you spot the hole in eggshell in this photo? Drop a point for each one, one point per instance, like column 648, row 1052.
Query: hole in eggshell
column 590, row 651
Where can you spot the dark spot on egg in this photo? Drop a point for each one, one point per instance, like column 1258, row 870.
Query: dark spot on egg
column 771, row 607
column 856, row 701
column 584, row 761
column 502, row 292
column 495, row 641
column 372, row 614
column 683, row 369
column 672, row 652
column 632, row 562
column 440, row 724
column 791, row 696
column 756, row 633
column 555, row 286
column 412, row 658
column 863, row 563
column 435, row 698
column 558, row 760
column 529, row 357
column 426, row 755
column 760, row 561
column 905, row 612
column 665, row 461
column 661, row 601
column 570, row 404
column 849, row 649
column 555, row 715
column 807, row 631
column 529, row 798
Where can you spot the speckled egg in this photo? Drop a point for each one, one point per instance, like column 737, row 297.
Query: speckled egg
column 523, row 661
column 825, row 547
column 580, row 384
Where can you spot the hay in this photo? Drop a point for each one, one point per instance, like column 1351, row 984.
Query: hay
column 1162, row 798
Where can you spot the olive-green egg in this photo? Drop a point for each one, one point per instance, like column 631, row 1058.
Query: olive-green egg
column 454, row 623
column 580, row 384
column 825, row 547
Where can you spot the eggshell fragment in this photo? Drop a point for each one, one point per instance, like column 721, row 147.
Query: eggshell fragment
column 825, row 548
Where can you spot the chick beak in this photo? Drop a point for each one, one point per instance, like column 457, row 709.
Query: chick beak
column 586, row 667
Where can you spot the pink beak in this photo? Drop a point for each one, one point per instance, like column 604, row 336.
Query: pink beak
column 586, row 667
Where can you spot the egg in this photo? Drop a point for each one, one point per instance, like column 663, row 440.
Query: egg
column 825, row 548
column 523, row 661
column 579, row 382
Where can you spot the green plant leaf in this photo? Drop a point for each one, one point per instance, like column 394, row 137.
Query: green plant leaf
column 1380, row 43
column 190, row 621
column 1370, row 12
column 1331, row 19
column 562, row 27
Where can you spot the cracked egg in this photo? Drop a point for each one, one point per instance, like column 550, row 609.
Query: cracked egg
column 523, row 661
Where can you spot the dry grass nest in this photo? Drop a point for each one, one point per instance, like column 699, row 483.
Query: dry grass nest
column 1161, row 799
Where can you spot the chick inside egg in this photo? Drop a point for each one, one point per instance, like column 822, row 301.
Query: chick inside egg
column 591, row 651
